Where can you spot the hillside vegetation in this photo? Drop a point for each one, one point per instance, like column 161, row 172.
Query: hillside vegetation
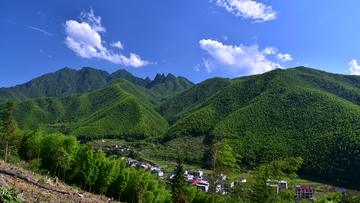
column 282, row 113
column 117, row 109
column 66, row 81
column 279, row 114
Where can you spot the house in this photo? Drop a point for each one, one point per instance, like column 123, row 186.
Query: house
column 114, row 145
column 137, row 151
column 189, row 177
column 153, row 168
column 203, row 185
column 146, row 166
column 132, row 162
column 241, row 180
column 343, row 191
column 277, row 184
column 304, row 192
column 170, row 176
column 160, row 173
column 198, row 173
column 283, row 185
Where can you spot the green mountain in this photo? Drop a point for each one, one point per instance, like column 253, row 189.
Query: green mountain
column 278, row 114
column 180, row 105
column 119, row 109
column 282, row 113
column 66, row 81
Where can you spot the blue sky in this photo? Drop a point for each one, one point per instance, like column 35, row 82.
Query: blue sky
column 195, row 39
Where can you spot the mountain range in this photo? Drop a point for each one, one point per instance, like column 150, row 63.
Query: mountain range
column 281, row 113
column 66, row 81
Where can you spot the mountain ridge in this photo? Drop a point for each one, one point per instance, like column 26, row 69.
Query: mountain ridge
column 68, row 81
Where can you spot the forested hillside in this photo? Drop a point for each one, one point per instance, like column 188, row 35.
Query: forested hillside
column 66, row 81
column 279, row 114
column 116, row 110
column 282, row 113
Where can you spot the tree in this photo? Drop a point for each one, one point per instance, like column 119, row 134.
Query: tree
column 7, row 125
column 61, row 157
column 222, row 161
column 270, row 174
column 178, row 183
column 123, row 178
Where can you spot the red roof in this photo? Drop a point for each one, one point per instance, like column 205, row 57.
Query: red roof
column 196, row 182
column 306, row 187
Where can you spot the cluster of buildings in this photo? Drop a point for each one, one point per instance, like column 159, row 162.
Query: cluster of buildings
column 301, row 192
column 122, row 148
column 135, row 163
column 202, row 182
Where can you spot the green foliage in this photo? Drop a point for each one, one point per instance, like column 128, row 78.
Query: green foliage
column 7, row 125
column 178, row 106
column 268, row 176
column 9, row 195
column 178, row 182
column 112, row 111
column 134, row 155
column 66, row 81
column 283, row 113
column 341, row 198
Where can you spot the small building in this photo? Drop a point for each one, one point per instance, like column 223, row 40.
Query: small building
column 283, row 185
column 114, row 145
column 132, row 162
column 343, row 191
column 198, row 173
column 203, row 185
column 189, row 177
column 304, row 192
column 241, row 180
column 195, row 182
column 170, row 176
column 160, row 173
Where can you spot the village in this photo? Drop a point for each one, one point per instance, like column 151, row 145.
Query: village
column 202, row 181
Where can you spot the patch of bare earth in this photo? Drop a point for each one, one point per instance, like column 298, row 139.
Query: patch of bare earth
column 31, row 192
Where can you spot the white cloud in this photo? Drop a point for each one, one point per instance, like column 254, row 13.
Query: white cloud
column 269, row 50
column 354, row 68
column 225, row 37
column 284, row 57
column 248, row 9
column 237, row 60
column 34, row 28
column 197, row 67
column 84, row 39
column 117, row 44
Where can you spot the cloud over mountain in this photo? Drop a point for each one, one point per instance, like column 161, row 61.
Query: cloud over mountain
column 84, row 39
column 238, row 60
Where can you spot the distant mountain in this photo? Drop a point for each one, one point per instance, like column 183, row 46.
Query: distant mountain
column 282, row 113
column 68, row 81
column 119, row 109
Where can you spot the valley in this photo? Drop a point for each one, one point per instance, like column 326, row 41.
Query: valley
column 296, row 112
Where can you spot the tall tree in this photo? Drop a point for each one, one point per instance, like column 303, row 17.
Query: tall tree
column 123, row 178
column 222, row 161
column 178, row 183
column 267, row 176
column 7, row 125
